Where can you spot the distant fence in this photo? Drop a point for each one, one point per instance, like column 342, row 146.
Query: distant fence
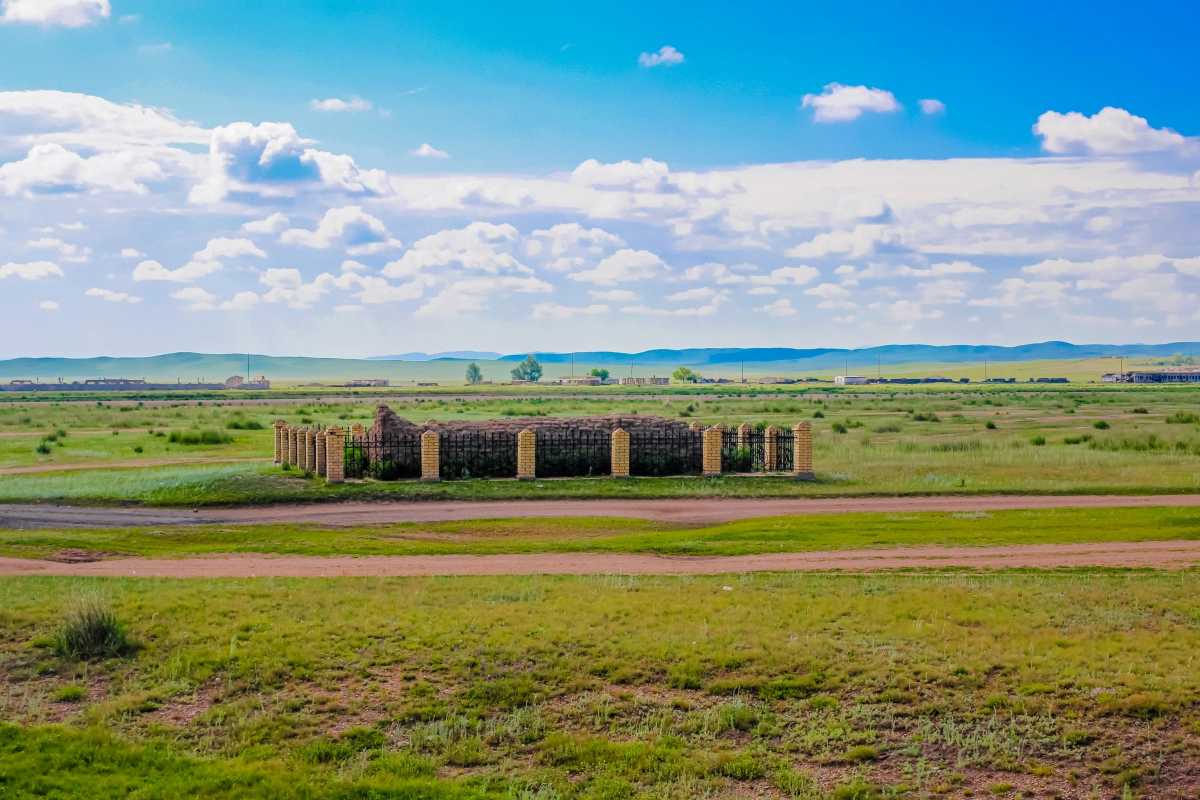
column 464, row 455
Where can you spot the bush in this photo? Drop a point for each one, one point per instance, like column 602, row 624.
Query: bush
column 861, row 753
column 840, row 428
column 238, row 425
column 886, row 429
column 1139, row 410
column 742, row 766
column 1182, row 418
column 92, row 632
column 71, row 693
column 43, row 448
column 991, row 426
column 925, row 417
column 1038, row 441
column 199, row 437
column 1101, row 425
column 961, row 446
column 818, row 414
column 138, row 449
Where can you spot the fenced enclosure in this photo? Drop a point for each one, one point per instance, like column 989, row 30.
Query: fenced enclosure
column 466, row 455
column 662, row 453
column 383, row 456
column 571, row 454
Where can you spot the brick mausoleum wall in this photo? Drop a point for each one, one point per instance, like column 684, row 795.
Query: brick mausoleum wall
column 386, row 420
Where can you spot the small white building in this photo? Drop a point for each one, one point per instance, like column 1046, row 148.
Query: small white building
column 850, row 380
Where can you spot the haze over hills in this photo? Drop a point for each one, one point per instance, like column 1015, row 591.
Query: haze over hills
column 187, row 367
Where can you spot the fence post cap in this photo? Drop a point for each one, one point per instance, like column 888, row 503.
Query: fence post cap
column 773, row 428
column 721, row 426
column 802, row 425
column 334, row 429
column 429, row 433
column 745, row 426
column 529, row 431
column 281, row 423
column 621, row 431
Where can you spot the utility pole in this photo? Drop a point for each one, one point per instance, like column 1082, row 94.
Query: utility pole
column 985, row 370
column 878, row 365
column 572, row 365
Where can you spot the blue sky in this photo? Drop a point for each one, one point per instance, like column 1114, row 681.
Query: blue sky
column 353, row 178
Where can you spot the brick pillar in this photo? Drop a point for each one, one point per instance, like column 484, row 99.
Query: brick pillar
column 697, row 425
column 620, row 453
column 802, row 455
column 771, row 449
column 292, row 453
column 712, row 450
column 526, row 455
column 335, row 454
column 430, row 458
column 304, row 446
column 744, row 431
column 282, row 436
column 279, row 453
column 321, row 468
column 310, row 444
column 357, row 429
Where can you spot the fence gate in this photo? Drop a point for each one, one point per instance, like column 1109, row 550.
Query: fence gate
column 661, row 453
column 570, row 454
column 465, row 455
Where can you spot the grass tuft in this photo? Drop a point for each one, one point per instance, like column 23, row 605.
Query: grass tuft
column 92, row 632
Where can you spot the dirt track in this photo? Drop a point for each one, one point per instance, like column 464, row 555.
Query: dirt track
column 698, row 510
column 1157, row 555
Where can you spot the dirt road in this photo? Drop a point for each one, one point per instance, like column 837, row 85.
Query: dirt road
column 1156, row 555
column 700, row 510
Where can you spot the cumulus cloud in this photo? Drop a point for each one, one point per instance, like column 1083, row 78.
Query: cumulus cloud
column 700, row 311
column 1018, row 291
column 130, row 252
column 479, row 247
column 336, row 104
column 240, row 301
column 204, row 262
column 787, row 275
column 855, row 243
column 358, row 231
column 931, row 106
column 838, row 103
column 646, row 175
column 1110, row 131
column 623, row 266
column 666, row 56
column 908, row 311
column 1109, row 268
column 943, row 291
column 426, row 150
column 113, row 297
column 67, row 13
column 34, row 270
column 718, row 272
column 196, row 298
column 48, row 305
column 570, row 237
column 935, row 270
column 555, row 311
column 617, row 295
column 272, row 224
column 68, row 252
column 271, row 160
column 699, row 293
column 472, row 294
column 780, row 308
column 52, row 168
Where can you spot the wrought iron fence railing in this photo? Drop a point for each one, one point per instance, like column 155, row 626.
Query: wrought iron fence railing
column 383, row 456
column 659, row 453
column 465, row 455
column 743, row 452
column 571, row 454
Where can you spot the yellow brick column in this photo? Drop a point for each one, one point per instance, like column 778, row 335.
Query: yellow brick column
column 526, row 455
column 335, row 454
column 321, row 468
column 431, row 471
column 302, row 450
column 310, row 445
column 620, row 453
column 712, row 450
column 744, row 435
column 357, row 429
column 697, row 425
column 292, row 452
column 279, row 453
column 771, row 449
column 802, row 453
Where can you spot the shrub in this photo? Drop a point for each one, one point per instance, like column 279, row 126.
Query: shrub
column 925, row 417
column 818, row 414
column 71, row 693
column 1139, row 410
column 742, row 767
column 893, row 428
column 1038, row 441
column 991, row 426
column 199, row 437
column 1078, row 738
column 91, row 632
column 961, row 446
column 840, row 428
column 1101, row 425
column 861, row 753
column 1182, row 418
column 43, row 448
column 138, row 449
column 238, row 425
column 790, row 687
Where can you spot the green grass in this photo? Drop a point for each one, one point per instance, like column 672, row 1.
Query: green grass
column 601, row 535
column 609, row 686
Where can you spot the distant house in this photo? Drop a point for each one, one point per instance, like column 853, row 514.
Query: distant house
column 580, row 380
column 644, row 381
column 361, row 382
column 234, row 381
column 850, row 380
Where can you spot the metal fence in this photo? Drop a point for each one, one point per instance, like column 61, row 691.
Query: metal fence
column 570, row 454
column 657, row 453
column 785, row 455
column 477, row 455
column 383, row 456
column 743, row 452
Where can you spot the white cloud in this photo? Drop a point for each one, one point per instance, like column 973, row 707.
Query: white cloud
column 112, row 297
column 621, row 266
column 666, row 56
column 943, row 291
column 1109, row 268
column 130, row 252
column 718, row 272
column 288, row 286
column 762, row 290
column 1142, row 322
column 838, row 103
column 272, row 224
column 846, row 319
column 51, row 167
column 952, row 268
column 616, row 295
column 1111, row 131
column 1159, row 290
column 360, row 232
column 32, row 271
column 68, row 252
column 241, row 301
column 787, row 275
column 700, row 311
column 853, row 243
column 571, row 236
column 1099, row 223
column 271, row 160
column 48, row 305
column 426, row 150
column 196, row 298
column 1018, row 291
column 931, row 106
column 479, row 247
column 555, row 311
column 699, row 293
column 68, row 13
column 780, row 308
column 647, row 175
column 336, row 104
column 204, row 262
column 352, row 266
column 908, row 311
column 72, row 226
column 348, row 309
column 828, row 291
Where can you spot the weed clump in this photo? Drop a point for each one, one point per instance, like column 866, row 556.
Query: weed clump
column 71, row 693
column 199, row 437
column 93, row 632
column 1038, row 441
column 238, row 425
column 1183, row 418
column 1101, row 425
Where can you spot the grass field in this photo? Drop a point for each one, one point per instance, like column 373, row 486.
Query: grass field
column 1133, row 439
column 601, row 535
column 1073, row 684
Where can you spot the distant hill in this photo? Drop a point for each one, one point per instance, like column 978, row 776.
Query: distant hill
column 449, row 354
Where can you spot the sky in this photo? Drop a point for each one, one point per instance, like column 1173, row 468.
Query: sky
column 359, row 178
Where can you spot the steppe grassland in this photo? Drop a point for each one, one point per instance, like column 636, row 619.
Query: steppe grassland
column 727, row 686
column 933, row 439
